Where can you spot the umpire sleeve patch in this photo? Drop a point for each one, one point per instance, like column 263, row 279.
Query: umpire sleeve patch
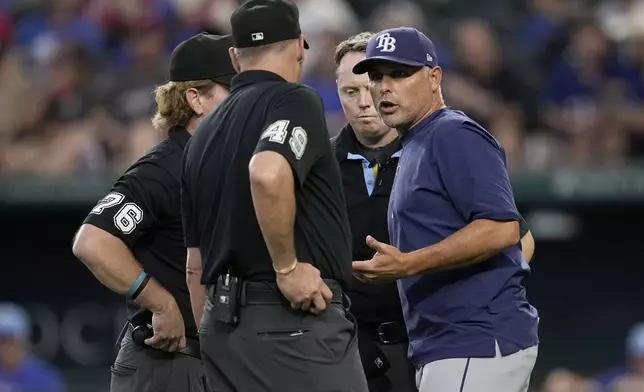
column 298, row 142
column 128, row 217
column 111, row 200
column 276, row 132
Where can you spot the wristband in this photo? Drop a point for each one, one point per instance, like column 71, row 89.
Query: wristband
column 287, row 270
column 138, row 285
column 141, row 287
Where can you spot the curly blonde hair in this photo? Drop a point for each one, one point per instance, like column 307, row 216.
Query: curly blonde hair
column 172, row 106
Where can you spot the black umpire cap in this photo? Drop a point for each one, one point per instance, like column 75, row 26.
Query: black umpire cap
column 263, row 22
column 203, row 56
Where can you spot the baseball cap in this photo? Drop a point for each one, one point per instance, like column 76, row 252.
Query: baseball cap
column 263, row 22
column 14, row 321
column 203, row 56
column 402, row 45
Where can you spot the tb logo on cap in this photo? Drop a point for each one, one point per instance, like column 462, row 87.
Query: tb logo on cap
column 386, row 43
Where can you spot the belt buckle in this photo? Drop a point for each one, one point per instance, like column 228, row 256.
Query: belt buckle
column 381, row 332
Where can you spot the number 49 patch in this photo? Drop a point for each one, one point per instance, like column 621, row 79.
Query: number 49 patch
column 298, row 142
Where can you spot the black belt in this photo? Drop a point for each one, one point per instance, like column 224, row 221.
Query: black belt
column 267, row 293
column 192, row 349
column 389, row 332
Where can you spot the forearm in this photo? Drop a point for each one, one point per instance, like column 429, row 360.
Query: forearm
column 473, row 244
column 114, row 265
column 193, row 280
column 274, row 202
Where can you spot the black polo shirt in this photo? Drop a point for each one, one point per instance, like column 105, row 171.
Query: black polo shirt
column 366, row 192
column 263, row 112
column 143, row 209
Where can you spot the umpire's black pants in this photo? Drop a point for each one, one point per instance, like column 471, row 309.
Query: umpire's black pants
column 145, row 369
column 277, row 349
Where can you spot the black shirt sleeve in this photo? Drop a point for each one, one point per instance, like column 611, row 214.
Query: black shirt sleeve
column 134, row 203
column 296, row 129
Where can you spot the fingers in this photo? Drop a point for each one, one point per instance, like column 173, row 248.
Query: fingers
column 316, row 301
column 364, row 278
column 154, row 341
column 374, row 244
column 165, row 343
column 319, row 299
column 326, row 292
column 307, row 292
column 360, row 277
column 176, row 344
column 160, row 342
column 319, row 304
column 375, row 279
column 370, row 278
column 362, row 266
column 173, row 345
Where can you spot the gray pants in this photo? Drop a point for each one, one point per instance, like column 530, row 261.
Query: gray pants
column 143, row 369
column 499, row 374
column 277, row 349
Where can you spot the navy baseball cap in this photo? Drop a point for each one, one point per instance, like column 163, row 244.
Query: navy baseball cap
column 402, row 45
column 263, row 22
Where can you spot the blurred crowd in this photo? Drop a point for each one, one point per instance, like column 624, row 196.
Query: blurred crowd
column 558, row 82
column 620, row 378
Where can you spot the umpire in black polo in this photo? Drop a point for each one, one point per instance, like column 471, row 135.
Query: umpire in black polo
column 263, row 205
column 133, row 241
